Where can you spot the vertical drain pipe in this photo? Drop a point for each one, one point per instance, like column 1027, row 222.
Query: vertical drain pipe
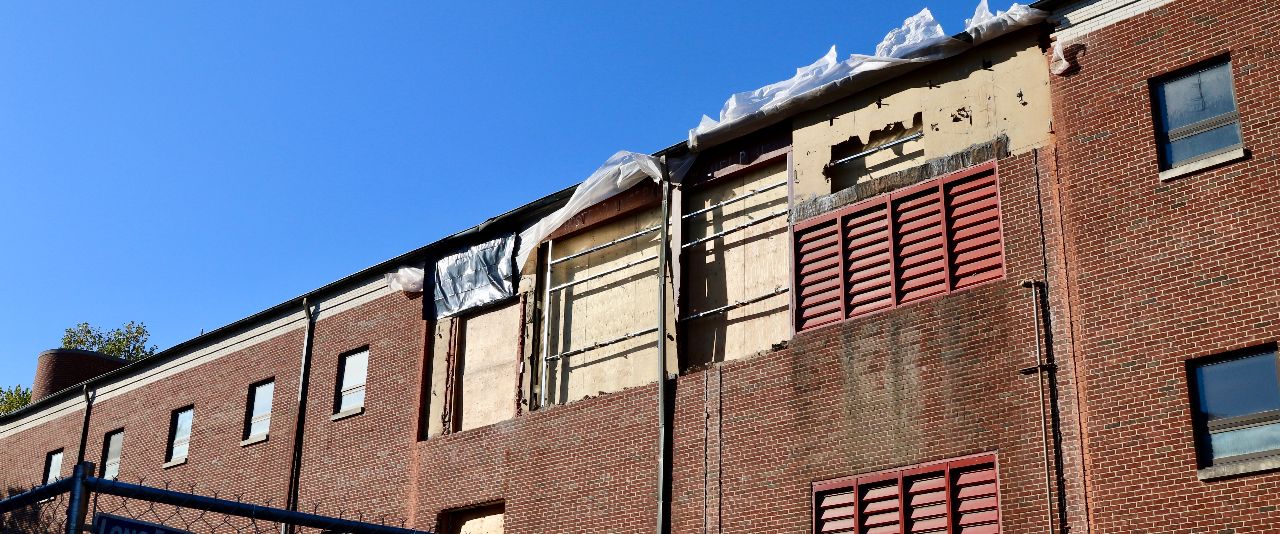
column 664, row 386
column 1039, row 371
column 89, row 396
column 304, row 379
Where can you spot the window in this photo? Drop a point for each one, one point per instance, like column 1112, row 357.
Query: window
column 111, row 445
column 53, row 466
column 1237, row 406
column 351, row 375
column 916, row 243
column 179, row 434
column 1196, row 115
column 486, row 519
column 257, row 420
column 959, row 495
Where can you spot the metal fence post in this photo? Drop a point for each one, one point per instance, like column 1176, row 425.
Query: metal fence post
column 77, row 507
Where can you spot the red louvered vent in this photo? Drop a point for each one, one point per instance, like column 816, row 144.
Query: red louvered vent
column 927, row 503
column 836, row 510
column 909, row 245
column 975, row 499
column 957, row 496
column 879, row 508
column 920, row 244
column 973, row 216
column 818, row 290
column 869, row 259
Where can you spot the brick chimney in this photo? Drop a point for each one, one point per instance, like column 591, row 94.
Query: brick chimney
column 58, row 369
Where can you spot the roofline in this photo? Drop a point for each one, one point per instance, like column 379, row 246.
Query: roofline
column 490, row 224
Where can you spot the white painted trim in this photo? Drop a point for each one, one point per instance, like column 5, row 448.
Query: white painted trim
column 1202, row 164
column 1082, row 18
column 266, row 331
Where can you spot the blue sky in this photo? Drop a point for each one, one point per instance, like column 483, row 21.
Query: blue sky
column 188, row 164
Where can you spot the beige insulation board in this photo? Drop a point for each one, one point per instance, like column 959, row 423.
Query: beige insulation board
column 741, row 265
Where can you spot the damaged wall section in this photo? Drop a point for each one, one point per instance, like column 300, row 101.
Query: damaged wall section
column 999, row 89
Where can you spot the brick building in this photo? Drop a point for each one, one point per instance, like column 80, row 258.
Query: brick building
column 1027, row 284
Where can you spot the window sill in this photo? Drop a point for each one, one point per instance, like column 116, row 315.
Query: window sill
column 253, row 439
column 1200, row 165
column 347, row 413
column 1244, row 467
column 174, row 463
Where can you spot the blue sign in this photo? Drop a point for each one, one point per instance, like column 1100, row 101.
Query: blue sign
column 110, row 524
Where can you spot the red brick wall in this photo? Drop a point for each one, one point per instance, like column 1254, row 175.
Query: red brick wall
column 59, row 369
column 1164, row 272
column 928, row 381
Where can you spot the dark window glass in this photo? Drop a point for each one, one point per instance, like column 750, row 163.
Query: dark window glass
column 1238, row 406
column 1196, row 115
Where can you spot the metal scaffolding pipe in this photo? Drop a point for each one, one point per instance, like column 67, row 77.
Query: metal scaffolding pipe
column 603, row 246
column 605, row 273
column 546, row 331
column 743, row 196
column 875, row 149
column 735, row 228
column 599, row 344
column 738, row 304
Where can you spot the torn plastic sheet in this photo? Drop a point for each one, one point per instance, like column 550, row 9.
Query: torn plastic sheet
column 406, row 279
column 920, row 40
column 619, row 173
column 475, row 277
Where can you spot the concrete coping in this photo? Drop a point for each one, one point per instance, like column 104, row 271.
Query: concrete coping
column 1244, row 467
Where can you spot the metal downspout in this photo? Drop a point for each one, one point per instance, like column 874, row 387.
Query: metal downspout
column 304, row 379
column 664, row 383
column 84, row 425
column 1039, row 371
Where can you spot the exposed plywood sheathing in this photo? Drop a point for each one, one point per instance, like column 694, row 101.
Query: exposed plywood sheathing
column 488, row 366
column 999, row 88
column 603, row 309
column 741, row 265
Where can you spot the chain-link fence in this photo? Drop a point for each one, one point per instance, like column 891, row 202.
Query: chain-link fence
column 82, row 503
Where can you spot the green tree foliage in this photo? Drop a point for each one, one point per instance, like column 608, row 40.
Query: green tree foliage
column 128, row 341
column 11, row 399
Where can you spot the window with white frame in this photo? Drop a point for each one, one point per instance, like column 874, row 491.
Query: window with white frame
column 111, row 445
column 180, row 434
column 53, row 466
column 352, row 369
column 1196, row 115
column 258, row 412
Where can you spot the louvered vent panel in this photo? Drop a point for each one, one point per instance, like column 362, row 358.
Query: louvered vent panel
column 818, row 291
column 836, row 511
column 878, row 505
column 920, row 245
column 975, row 500
column 869, row 259
column 927, row 502
column 973, row 213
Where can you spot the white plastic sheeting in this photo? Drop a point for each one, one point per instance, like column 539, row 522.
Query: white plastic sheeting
column 919, row 40
column 619, row 173
column 406, row 279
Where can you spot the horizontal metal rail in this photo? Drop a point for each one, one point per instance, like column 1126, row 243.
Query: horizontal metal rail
column 601, row 344
column 35, row 495
column 622, row 239
column 748, row 194
column 735, row 228
column 605, row 273
column 778, row 291
column 241, row 509
column 875, row 149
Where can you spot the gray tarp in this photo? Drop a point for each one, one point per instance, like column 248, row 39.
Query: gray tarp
column 475, row 277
